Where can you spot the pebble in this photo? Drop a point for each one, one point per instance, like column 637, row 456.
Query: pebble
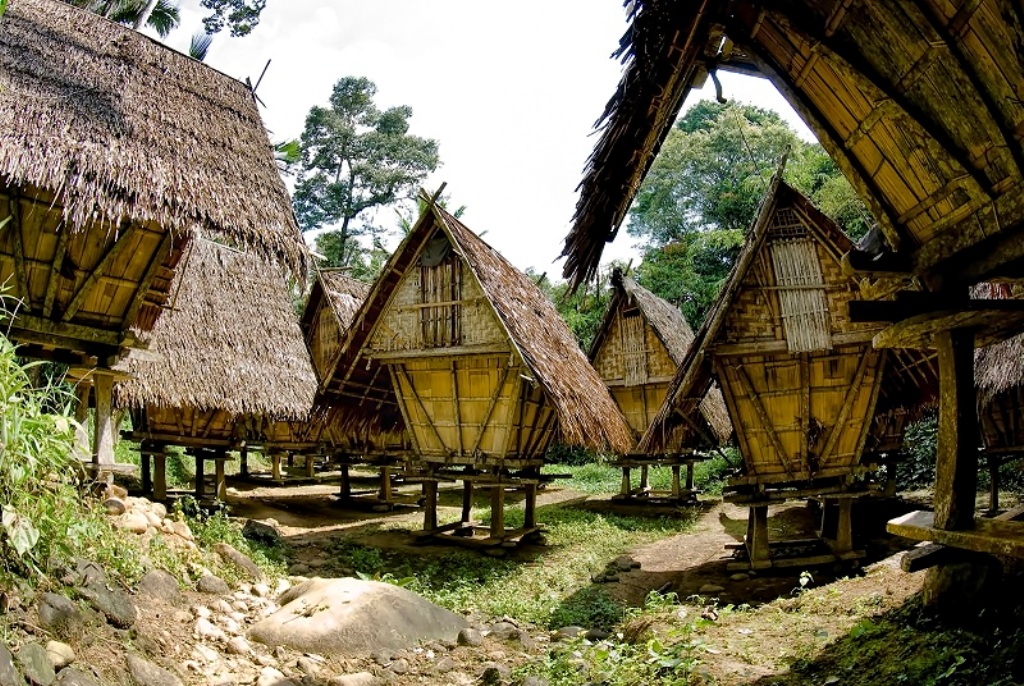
column 444, row 665
column 61, row 654
column 740, row 576
column 271, row 677
column 115, row 506
column 308, row 666
column 399, row 666
column 239, row 646
column 568, row 632
column 214, row 585
column 261, row 590
column 202, row 612
column 205, row 653
column 355, row 679
column 222, row 606
column 206, row 629
column 711, row 588
column 470, row 637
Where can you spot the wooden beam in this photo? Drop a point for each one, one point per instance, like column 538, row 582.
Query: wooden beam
column 115, row 250
column 490, row 410
column 456, row 350
column 53, row 280
column 456, row 410
column 78, row 332
column 848, row 403
column 17, row 231
column 162, row 251
column 993, row 536
column 400, row 372
column 988, row 326
column 956, row 468
column 762, row 415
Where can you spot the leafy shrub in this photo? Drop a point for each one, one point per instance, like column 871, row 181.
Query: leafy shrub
column 917, row 469
column 569, row 455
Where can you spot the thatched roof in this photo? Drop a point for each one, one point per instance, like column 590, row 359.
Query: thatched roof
column 344, row 293
column 672, row 329
column 121, row 127
column 910, row 384
column 231, row 342
column 932, row 169
column 586, row 413
column 1000, row 366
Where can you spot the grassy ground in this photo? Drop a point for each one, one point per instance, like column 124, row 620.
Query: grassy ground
column 599, row 478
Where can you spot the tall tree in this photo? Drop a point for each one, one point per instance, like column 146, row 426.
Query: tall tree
column 355, row 159
column 162, row 16
column 703, row 191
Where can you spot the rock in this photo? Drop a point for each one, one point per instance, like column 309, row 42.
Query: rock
column 205, row 653
column 222, row 606
column 261, row 590
column 214, row 585
column 229, row 625
column 229, row 553
column 35, row 664
column 710, row 588
column 239, row 646
column 353, row 617
column 739, row 576
column 261, row 533
column 504, row 631
column 567, row 632
column 534, row 681
column 145, row 673
column 444, row 665
column 596, row 635
column 75, row 677
column 399, row 667
column 159, row 584
column 114, row 603
column 527, row 641
column 115, row 506
column 154, row 521
column 115, row 491
column 355, row 679
column 611, row 578
column 61, row 654
column 59, row 615
column 308, row 666
column 206, row 630
column 298, row 569
column 135, row 522
column 470, row 637
column 381, row 657
column 159, row 509
column 9, row 674
column 494, row 674
column 181, row 529
column 271, row 677
column 624, row 563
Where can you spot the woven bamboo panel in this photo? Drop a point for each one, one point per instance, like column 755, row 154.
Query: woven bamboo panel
column 802, row 302
column 608, row 360
column 324, row 339
column 633, row 344
column 612, row 359
column 188, row 423
column 753, row 314
column 639, row 404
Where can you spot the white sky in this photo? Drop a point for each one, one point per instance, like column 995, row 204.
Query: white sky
column 510, row 91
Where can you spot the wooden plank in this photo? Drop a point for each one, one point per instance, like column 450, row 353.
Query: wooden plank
column 53, row 279
column 162, row 251
column 928, row 555
column 762, row 415
column 450, row 351
column 18, row 242
column 956, row 468
column 993, row 536
column 456, row 410
column 490, row 410
column 99, row 270
column 399, row 371
column 852, row 393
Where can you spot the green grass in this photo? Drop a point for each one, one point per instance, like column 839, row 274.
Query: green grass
column 600, row 478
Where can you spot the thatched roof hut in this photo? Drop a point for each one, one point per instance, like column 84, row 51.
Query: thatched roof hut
column 999, row 378
column 332, row 306
column 807, row 393
column 114, row 152
column 639, row 345
column 470, row 355
column 231, row 348
column 873, row 81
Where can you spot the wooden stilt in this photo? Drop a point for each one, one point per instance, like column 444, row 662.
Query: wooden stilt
column 82, row 391
column 429, row 505
column 346, row 484
column 956, row 469
column 291, row 460
column 310, row 466
column 200, row 476
column 467, row 501
column 530, row 515
column 757, row 537
column 676, row 488
column 844, row 527
column 385, row 484
column 626, row 485
column 275, row 466
column 145, row 463
column 160, row 474
column 221, row 484
column 497, row 510
column 993, row 484
column 103, row 436
column 643, row 478
column 689, row 476
column 243, row 461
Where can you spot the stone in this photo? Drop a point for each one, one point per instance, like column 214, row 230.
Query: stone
column 157, row 583
column 213, row 585
column 222, row 606
column 230, row 554
column 261, row 533
column 710, row 588
column 239, row 646
column 527, row 641
column 9, row 673
column 739, row 576
column 229, row 625
column 206, row 630
column 504, row 631
column 298, row 569
column 353, row 617
column 444, row 665
column 61, row 654
column 308, row 666
column 154, row 521
column 113, row 603
column 596, row 635
column 35, row 664
column 88, row 573
column 75, row 677
column 261, row 590
column 494, row 674
column 58, row 615
column 181, row 529
column 568, row 632
column 205, row 653
column 624, row 563
column 115, row 491
column 145, row 673
column 399, row 667
column 159, row 509
column 470, row 637
column 534, row 681
column 135, row 522
column 272, row 677
column 355, row 679
column 115, row 506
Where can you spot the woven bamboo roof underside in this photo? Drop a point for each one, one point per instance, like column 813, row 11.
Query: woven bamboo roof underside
column 231, row 343
column 586, row 413
column 941, row 175
column 120, row 126
column 673, row 331
column 911, row 384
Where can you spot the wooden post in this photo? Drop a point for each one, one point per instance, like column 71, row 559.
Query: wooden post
column 275, row 465
column 200, row 476
column 676, row 488
column 626, row 486
column 467, row 501
column 346, row 484
column 993, row 484
column 689, row 475
column 757, row 537
column 385, row 484
column 243, row 461
column 643, row 478
column 310, row 466
column 160, row 474
column 221, row 489
column 145, row 464
column 497, row 510
column 291, row 460
column 530, row 516
column 82, row 390
column 844, row 527
column 429, row 505
column 956, row 468
column 103, row 436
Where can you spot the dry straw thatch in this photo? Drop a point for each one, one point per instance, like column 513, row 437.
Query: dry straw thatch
column 586, row 413
column 345, row 294
column 120, row 127
column 672, row 329
column 998, row 367
column 231, row 343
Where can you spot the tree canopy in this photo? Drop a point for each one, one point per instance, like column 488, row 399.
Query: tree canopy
column 356, row 158
column 703, row 190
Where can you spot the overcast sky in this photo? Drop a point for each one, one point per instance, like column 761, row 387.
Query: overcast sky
column 510, row 91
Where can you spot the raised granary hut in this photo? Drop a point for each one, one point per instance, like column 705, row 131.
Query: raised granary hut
column 639, row 344
column 114, row 152
column 224, row 365
column 481, row 366
column 814, row 405
column 942, row 176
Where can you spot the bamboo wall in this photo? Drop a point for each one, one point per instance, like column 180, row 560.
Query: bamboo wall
column 184, row 426
column 324, row 338
column 464, row 392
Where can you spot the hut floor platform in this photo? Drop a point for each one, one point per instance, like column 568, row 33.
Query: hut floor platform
column 1002, row 535
column 682, row 491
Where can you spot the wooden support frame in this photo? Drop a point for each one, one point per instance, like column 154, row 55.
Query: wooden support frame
column 115, row 250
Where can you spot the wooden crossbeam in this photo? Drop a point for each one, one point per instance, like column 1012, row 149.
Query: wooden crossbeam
column 119, row 246
column 490, row 410
column 16, row 230
column 53, row 281
column 762, row 415
column 162, row 251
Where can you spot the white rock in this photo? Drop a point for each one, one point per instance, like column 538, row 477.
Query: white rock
column 229, row 625
column 271, row 677
column 239, row 646
column 159, row 509
column 356, row 679
column 281, row 587
column 205, row 629
column 61, row 654
column 205, row 653
column 135, row 522
column 261, row 590
column 239, row 617
column 222, row 606
column 266, row 660
column 245, row 588
column 154, row 520
column 202, row 611
column 181, row 529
